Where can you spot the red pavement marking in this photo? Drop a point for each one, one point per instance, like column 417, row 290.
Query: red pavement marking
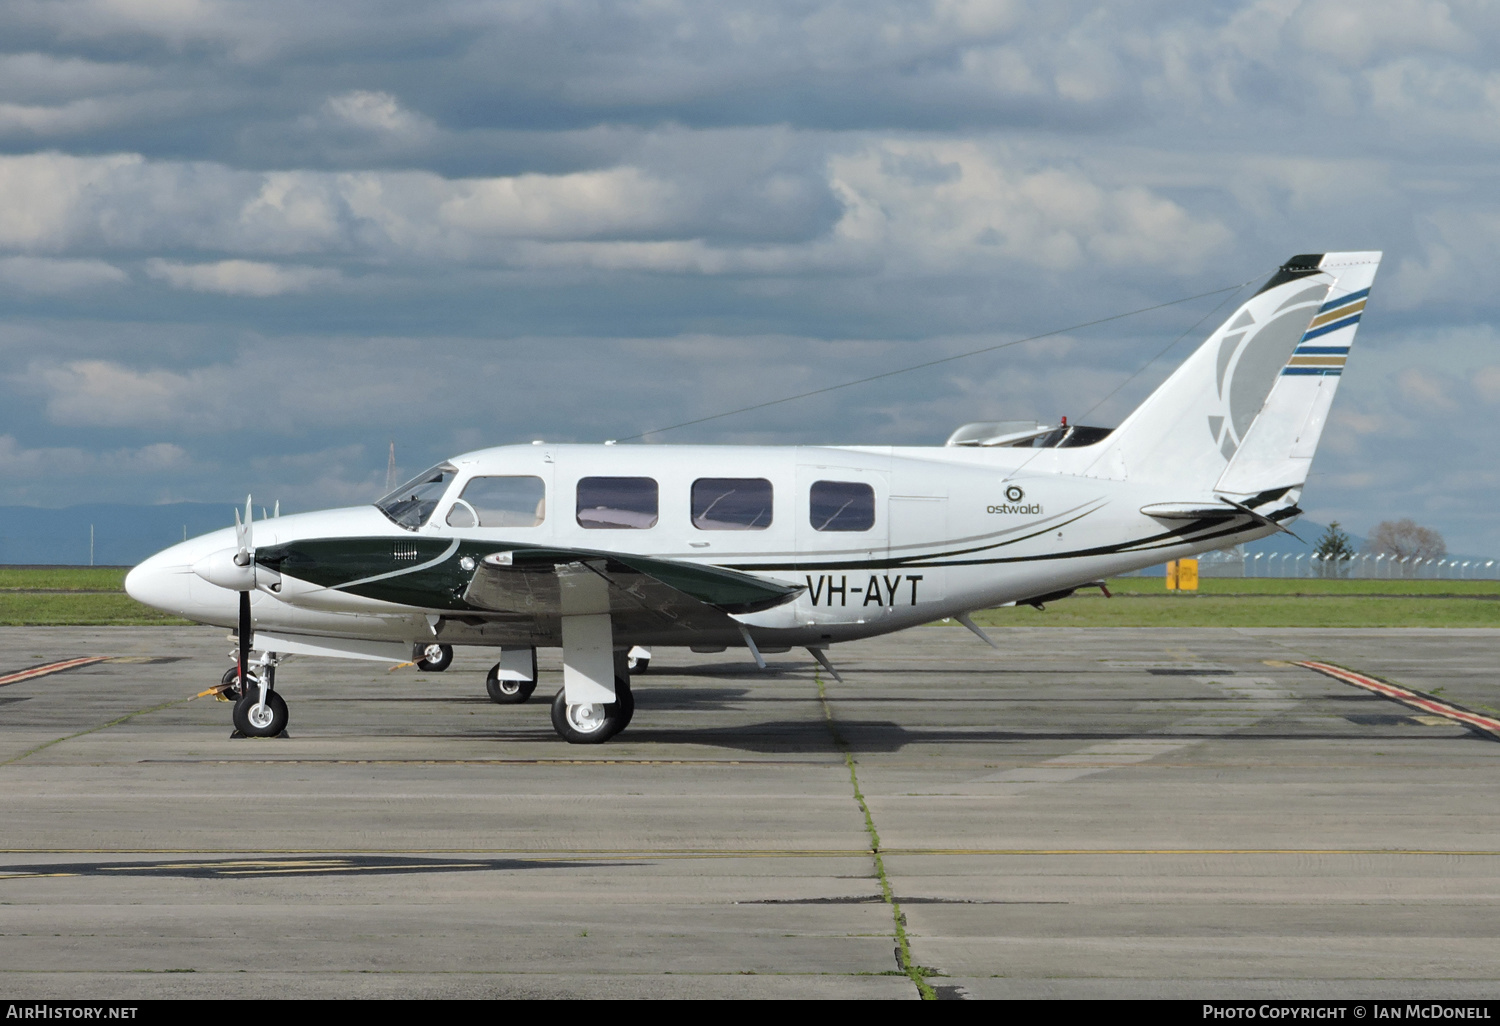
column 46, row 668
column 1408, row 697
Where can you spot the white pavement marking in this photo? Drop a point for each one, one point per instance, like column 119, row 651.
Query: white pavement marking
column 1247, row 703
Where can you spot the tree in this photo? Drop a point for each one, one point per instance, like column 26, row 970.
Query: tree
column 1406, row 542
column 1334, row 552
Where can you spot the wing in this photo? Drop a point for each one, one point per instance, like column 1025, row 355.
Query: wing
column 637, row 591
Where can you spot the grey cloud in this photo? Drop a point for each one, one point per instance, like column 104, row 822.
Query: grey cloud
column 413, row 220
column 51, row 276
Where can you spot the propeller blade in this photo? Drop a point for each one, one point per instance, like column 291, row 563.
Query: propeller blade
column 242, row 535
column 244, row 639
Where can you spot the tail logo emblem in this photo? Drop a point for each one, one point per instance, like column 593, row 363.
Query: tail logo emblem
column 1250, row 358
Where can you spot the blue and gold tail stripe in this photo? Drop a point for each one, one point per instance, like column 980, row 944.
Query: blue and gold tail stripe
column 1334, row 304
column 1332, row 316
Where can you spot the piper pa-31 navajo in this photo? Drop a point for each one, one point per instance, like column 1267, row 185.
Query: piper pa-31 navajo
column 604, row 550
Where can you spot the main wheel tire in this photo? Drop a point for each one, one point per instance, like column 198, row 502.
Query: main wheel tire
column 509, row 692
column 435, row 658
column 264, row 723
column 593, row 724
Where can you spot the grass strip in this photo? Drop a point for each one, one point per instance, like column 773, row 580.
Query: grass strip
column 69, row 578
column 916, row 973
column 1307, row 586
column 1208, row 610
column 95, row 730
column 86, row 609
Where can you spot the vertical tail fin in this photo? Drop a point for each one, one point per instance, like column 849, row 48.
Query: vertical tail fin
column 1242, row 415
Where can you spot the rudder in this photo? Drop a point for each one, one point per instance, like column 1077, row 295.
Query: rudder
column 1246, row 409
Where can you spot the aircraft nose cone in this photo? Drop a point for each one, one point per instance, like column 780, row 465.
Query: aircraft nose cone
column 161, row 582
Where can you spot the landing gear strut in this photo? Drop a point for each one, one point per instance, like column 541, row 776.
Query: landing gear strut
column 593, row 723
column 260, row 711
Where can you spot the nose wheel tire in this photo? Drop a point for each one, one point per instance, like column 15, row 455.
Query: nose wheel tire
column 593, row 724
column 509, row 692
column 254, row 720
column 435, row 658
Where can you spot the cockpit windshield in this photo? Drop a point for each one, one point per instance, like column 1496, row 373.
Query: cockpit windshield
column 412, row 503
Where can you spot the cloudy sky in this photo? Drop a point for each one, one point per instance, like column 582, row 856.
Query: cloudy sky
column 248, row 245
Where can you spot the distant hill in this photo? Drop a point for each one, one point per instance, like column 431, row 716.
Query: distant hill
column 123, row 535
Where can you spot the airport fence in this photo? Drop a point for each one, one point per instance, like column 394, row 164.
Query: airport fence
column 1365, row 566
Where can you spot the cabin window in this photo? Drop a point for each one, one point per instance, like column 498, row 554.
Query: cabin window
column 500, row 502
column 617, row 502
column 731, row 504
column 410, row 505
column 842, row 506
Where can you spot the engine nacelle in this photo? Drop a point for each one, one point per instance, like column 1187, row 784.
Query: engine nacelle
column 220, row 568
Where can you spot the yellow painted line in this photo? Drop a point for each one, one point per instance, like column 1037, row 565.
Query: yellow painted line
column 1184, row 851
column 242, row 864
column 496, row 762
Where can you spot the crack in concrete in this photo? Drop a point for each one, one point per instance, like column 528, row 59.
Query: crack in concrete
column 916, row 973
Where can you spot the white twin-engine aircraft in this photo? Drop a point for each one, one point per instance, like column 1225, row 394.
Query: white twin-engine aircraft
column 608, row 550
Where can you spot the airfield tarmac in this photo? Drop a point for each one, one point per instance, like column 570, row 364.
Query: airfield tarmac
column 1087, row 813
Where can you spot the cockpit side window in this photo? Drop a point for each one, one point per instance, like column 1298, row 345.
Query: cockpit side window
column 842, row 506
column 617, row 502
column 500, row 502
column 731, row 504
column 410, row 505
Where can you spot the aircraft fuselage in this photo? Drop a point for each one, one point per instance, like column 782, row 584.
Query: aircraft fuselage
column 922, row 534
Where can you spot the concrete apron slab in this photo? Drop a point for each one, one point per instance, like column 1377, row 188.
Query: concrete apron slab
column 1085, row 813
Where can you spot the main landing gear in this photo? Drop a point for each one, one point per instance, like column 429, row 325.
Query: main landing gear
column 637, row 659
column 593, row 723
column 434, row 658
column 512, row 680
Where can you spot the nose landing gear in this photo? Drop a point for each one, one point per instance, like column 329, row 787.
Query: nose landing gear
column 258, row 710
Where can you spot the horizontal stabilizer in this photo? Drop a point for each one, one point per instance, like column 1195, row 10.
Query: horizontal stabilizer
column 1190, row 511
